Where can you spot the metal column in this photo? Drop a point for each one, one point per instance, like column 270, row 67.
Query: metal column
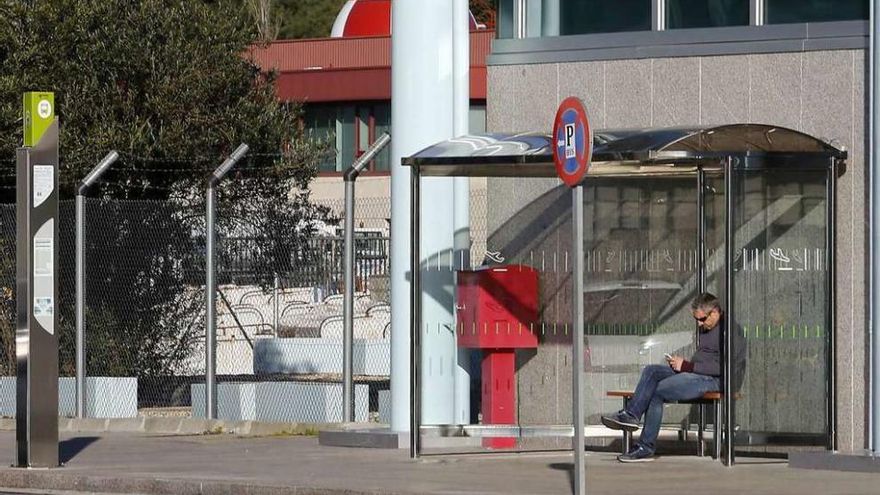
column 577, row 348
column 831, row 273
column 874, row 168
column 729, row 320
column 86, row 183
column 349, row 178
column 36, row 341
column 211, row 284
column 415, row 317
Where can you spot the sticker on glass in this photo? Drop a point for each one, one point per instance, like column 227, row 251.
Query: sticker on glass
column 44, row 183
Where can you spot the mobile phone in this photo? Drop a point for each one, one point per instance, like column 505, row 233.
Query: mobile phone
column 667, row 355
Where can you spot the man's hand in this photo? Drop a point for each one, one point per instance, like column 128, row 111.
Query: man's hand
column 675, row 362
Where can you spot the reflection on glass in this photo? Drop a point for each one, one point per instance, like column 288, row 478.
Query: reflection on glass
column 603, row 16
column 785, row 11
column 706, row 13
column 504, row 19
column 641, row 274
column 781, row 300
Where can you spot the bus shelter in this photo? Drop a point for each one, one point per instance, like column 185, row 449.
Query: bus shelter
column 744, row 211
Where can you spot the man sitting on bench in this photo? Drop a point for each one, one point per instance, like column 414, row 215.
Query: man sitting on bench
column 678, row 380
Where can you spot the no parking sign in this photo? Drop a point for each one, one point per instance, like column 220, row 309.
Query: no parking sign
column 572, row 141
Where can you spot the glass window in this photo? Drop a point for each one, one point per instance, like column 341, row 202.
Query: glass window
column 364, row 139
column 706, row 13
column 504, row 23
column 345, row 144
column 785, row 11
column 382, row 119
column 320, row 124
column 477, row 119
column 604, row 16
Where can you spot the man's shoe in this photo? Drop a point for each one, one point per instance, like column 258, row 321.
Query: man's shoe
column 621, row 420
column 638, row 454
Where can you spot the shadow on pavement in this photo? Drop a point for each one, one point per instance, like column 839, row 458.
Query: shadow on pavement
column 568, row 467
column 68, row 449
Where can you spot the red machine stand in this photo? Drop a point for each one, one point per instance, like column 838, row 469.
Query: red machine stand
column 498, row 313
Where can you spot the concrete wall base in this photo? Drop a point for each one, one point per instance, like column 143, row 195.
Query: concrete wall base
column 374, row 438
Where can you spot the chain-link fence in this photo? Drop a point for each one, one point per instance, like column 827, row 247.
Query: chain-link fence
column 279, row 313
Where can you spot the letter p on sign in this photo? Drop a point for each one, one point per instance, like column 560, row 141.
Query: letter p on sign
column 570, row 151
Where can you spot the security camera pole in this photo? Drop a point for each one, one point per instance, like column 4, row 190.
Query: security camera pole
column 36, row 419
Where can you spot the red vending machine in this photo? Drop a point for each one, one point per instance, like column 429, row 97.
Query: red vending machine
column 498, row 313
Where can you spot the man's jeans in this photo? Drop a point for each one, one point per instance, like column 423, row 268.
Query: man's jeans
column 658, row 384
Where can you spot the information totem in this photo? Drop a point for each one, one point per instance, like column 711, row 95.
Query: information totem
column 36, row 419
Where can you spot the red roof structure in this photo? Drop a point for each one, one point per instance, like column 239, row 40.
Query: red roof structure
column 350, row 69
column 369, row 18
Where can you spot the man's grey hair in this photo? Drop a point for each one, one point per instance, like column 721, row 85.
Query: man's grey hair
column 705, row 302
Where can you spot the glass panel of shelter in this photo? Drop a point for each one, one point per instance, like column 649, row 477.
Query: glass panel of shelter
column 513, row 332
column 643, row 266
column 782, row 301
column 641, row 274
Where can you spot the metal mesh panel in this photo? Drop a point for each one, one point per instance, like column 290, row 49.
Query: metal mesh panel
column 145, row 302
column 279, row 313
column 7, row 290
column 279, row 327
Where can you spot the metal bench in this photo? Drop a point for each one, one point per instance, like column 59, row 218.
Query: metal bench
column 709, row 398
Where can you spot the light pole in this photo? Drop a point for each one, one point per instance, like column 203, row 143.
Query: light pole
column 86, row 183
column 211, row 283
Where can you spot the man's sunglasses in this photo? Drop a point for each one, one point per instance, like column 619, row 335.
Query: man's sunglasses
column 701, row 320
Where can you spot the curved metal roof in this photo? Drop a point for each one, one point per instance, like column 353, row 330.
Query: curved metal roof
column 616, row 152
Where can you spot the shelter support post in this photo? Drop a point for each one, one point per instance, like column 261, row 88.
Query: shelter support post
column 415, row 317
column 729, row 319
column 830, row 277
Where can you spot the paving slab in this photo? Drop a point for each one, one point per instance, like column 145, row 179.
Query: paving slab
column 297, row 465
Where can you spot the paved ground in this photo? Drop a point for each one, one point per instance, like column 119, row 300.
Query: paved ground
column 226, row 464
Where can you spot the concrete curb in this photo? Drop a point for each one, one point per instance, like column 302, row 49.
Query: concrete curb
column 177, row 426
column 55, row 480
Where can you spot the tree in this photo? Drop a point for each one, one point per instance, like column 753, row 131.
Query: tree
column 169, row 84
column 484, row 12
column 306, row 18
column 267, row 28
column 166, row 80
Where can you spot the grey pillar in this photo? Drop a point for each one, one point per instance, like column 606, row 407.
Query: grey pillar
column 36, row 301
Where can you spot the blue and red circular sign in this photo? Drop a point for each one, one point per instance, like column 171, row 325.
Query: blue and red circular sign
column 572, row 141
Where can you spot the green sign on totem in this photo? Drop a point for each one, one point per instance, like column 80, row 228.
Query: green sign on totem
column 39, row 113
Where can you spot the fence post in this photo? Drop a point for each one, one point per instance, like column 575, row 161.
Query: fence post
column 87, row 182
column 275, row 316
column 211, row 283
column 349, row 177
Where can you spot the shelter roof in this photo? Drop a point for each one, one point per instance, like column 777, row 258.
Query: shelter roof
column 618, row 152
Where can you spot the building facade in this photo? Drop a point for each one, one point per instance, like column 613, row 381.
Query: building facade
column 677, row 63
